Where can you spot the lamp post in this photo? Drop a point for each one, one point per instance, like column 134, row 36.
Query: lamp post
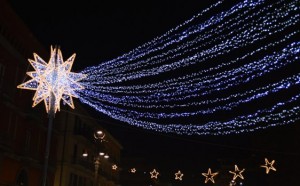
column 53, row 82
column 97, row 162
column 98, row 136
column 51, row 114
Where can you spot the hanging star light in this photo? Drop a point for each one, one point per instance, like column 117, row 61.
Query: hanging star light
column 237, row 173
column 154, row 174
column 133, row 170
column 209, row 176
column 269, row 165
column 178, row 175
column 114, row 167
column 53, row 80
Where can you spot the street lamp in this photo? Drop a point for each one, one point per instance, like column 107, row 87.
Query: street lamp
column 97, row 162
column 99, row 135
column 53, row 82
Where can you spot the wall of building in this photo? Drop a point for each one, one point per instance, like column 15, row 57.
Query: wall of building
column 76, row 136
column 22, row 128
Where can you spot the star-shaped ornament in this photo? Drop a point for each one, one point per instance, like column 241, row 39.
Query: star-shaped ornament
column 154, row 174
column 269, row 165
column 178, row 175
column 210, row 176
column 53, row 81
column 133, row 170
column 114, row 167
column 237, row 173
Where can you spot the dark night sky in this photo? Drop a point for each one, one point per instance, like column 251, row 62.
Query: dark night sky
column 101, row 30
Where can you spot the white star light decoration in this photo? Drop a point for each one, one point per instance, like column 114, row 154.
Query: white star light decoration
column 269, row 165
column 178, row 175
column 53, row 80
column 154, row 174
column 237, row 173
column 209, row 176
column 114, row 167
column 133, row 170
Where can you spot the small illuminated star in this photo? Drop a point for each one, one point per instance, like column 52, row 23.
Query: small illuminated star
column 53, row 80
column 133, row 170
column 237, row 173
column 178, row 175
column 114, row 167
column 209, row 176
column 154, row 174
column 269, row 165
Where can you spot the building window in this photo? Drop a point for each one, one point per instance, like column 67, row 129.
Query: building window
column 22, row 179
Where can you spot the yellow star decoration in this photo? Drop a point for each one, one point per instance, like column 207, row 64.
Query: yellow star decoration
column 209, row 176
column 53, row 78
column 269, row 165
column 178, row 175
column 114, row 167
column 237, row 173
column 154, row 174
column 133, row 170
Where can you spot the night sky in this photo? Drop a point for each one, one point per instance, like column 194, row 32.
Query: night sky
column 102, row 30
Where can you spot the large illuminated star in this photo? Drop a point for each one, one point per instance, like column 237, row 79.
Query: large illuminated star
column 269, row 165
column 209, row 176
column 53, row 80
column 237, row 173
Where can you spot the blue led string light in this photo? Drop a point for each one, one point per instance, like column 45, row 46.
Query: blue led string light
column 260, row 35
column 233, row 25
column 253, row 34
column 223, row 80
column 174, row 83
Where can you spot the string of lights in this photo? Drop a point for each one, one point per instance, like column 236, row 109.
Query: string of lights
column 210, row 37
column 171, row 84
column 135, row 52
column 235, row 77
column 243, row 123
column 185, row 80
column 258, row 31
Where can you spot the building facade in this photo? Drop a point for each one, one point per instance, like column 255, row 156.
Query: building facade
column 23, row 129
column 79, row 146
